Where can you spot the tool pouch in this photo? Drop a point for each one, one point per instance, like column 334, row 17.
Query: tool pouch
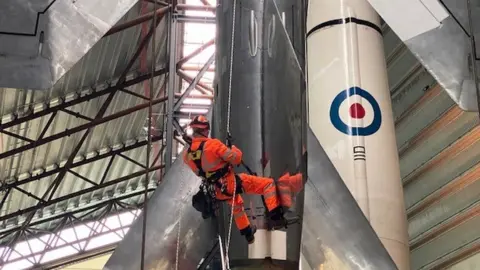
column 204, row 204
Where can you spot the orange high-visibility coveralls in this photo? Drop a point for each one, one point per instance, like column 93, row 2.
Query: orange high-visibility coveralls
column 215, row 156
column 288, row 185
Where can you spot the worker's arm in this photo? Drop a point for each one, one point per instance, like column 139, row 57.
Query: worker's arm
column 231, row 155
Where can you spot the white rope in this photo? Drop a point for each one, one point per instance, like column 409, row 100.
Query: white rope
column 231, row 67
column 227, row 245
column 180, row 210
column 178, row 234
column 221, row 252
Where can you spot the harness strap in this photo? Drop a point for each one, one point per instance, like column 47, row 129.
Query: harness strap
column 214, row 176
column 198, row 160
column 238, row 185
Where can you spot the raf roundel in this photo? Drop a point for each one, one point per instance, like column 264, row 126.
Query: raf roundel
column 355, row 111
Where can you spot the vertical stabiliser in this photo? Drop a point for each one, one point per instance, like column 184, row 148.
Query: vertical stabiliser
column 261, row 122
column 245, row 106
column 284, row 114
column 336, row 234
column 170, row 202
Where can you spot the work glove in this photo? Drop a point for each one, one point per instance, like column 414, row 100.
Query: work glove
column 249, row 233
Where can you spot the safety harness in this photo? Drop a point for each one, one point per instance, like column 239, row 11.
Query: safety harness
column 211, row 178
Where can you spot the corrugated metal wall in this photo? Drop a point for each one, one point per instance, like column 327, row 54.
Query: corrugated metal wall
column 439, row 148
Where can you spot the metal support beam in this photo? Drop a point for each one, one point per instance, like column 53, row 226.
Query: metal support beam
column 185, row 7
column 83, row 178
column 195, row 53
column 47, row 126
column 189, row 79
column 134, row 94
column 195, row 19
column 178, row 95
column 94, row 95
column 193, row 67
column 105, row 173
column 33, row 209
column 77, row 115
column 143, row 18
column 86, row 126
column 194, row 82
column 71, row 212
column 76, row 164
column 16, row 136
column 171, row 91
column 158, row 2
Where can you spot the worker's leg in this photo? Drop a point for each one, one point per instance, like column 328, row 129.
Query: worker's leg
column 239, row 214
column 266, row 187
column 241, row 219
column 261, row 186
column 288, row 185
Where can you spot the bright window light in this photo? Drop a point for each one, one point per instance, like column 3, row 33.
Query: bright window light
column 58, row 253
column 23, row 264
column 184, row 121
column 193, row 110
column 195, row 35
column 103, row 240
column 66, row 242
column 197, row 101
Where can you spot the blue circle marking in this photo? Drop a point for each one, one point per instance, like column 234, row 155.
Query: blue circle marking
column 355, row 131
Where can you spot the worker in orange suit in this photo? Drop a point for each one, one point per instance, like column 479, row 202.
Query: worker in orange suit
column 213, row 161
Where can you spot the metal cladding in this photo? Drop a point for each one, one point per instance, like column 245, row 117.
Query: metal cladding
column 262, row 126
column 439, row 36
column 284, row 102
column 351, row 115
column 41, row 40
column 169, row 205
column 336, row 234
column 245, row 119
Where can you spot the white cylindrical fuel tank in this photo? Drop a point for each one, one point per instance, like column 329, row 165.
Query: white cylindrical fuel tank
column 350, row 113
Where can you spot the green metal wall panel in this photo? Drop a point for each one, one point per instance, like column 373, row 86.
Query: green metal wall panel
column 434, row 179
column 448, row 134
column 446, row 243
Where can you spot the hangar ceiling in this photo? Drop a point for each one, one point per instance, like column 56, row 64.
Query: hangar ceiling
column 73, row 157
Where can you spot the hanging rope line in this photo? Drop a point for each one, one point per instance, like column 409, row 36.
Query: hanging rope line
column 227, row 245
column 149, row 138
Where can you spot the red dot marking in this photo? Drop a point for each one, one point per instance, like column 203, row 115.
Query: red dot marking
column 357, row 111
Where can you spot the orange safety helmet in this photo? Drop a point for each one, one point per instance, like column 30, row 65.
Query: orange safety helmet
column 200, row 123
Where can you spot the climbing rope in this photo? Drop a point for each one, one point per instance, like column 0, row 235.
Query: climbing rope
column 227, row 245
column 231, row 68
column 222, row 257
column 178, row 234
